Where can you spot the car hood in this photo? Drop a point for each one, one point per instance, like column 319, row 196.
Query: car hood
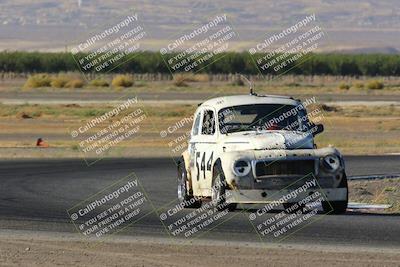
column 268, row 140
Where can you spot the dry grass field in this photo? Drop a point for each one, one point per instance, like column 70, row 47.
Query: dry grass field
column 353, row 129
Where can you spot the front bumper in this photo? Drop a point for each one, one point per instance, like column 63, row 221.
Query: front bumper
column 254, row 196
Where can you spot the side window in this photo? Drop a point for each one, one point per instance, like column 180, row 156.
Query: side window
column 208, row 127
column 196, row 124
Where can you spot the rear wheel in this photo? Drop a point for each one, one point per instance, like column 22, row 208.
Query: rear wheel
column 183, row 195
column 337, row 207
column 218, row 190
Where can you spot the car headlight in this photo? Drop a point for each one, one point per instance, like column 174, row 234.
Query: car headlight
column 330, row 163
column 241, row 167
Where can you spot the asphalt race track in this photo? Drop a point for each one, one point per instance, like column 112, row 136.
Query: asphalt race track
column 35, row 194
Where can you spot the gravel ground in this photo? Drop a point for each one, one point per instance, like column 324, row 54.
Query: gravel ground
column 52, row 249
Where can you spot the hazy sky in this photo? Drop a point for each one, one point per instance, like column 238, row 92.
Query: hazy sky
column 57, row 24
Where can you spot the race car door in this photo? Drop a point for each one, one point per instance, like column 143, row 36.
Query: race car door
column 204, row 152
column 194, row 139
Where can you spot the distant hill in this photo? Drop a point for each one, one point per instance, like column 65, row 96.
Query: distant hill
column 54, row 25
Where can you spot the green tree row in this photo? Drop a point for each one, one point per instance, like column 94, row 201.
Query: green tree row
column 230, row 62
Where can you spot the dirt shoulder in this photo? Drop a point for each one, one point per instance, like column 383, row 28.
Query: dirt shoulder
column 376, row 192
column 30, row 249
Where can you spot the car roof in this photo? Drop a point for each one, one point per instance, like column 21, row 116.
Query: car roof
column 237, row 100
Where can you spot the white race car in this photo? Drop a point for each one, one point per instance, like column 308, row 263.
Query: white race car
column 257, row 149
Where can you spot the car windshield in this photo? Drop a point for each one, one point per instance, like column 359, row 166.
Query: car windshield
column 262, row 117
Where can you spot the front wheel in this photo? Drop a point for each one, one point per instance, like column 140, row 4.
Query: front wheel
column 218, row 195
column 334, row 207
column 182, row 191
column 338, row 207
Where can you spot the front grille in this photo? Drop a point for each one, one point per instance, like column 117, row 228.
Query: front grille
column 285, row 167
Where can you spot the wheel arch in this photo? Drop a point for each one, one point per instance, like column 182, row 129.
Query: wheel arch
column 216, row 162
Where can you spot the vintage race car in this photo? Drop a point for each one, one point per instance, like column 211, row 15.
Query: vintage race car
column 258, row 149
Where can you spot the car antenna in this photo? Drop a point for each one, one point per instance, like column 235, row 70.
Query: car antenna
column 250, row 85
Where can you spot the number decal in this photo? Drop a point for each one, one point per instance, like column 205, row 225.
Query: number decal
column 202, row 167
column 197, row 165
column 209, row 162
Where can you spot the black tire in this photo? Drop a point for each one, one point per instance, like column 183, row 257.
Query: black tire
column 218, row 190
column 183, row 195
column 337, row 207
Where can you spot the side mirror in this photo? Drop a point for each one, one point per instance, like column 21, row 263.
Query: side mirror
column 317, row 129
